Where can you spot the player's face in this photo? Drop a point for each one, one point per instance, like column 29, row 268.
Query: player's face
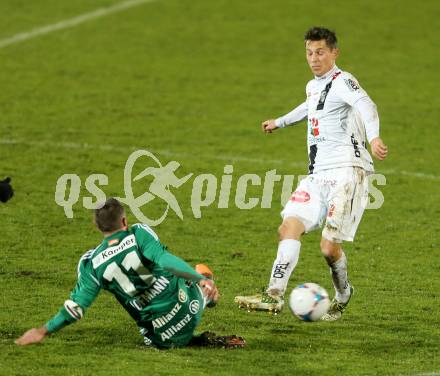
column 321, row 58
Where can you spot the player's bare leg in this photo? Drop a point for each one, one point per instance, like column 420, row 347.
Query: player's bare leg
column 337, row 261
column 272, row 299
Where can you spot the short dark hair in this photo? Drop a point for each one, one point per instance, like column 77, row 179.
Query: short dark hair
column 108, row 216
column 320, row 33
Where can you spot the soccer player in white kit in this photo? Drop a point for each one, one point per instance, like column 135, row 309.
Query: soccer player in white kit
column 341, row 118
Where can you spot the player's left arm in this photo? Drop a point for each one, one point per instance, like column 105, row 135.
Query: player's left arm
column 152, row 249
column 180, row 268
column 368, row 111
column 82, row 296
column 353, row 94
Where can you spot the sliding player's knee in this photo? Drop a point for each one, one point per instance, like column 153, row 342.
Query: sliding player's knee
column 291, row 228
column 330, row 250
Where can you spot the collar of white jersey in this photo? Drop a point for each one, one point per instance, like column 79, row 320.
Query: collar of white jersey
column 330, row 73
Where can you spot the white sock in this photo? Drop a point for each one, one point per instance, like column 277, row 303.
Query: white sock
column 287, row 258
column 339, row 274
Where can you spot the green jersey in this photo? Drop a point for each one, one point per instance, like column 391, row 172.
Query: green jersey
column 158, row 290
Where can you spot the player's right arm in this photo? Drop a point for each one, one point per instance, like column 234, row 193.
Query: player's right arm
column 295, row 116
column 155, row 251
column 82, row 296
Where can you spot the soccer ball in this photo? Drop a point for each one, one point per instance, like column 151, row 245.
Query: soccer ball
column 309, row 301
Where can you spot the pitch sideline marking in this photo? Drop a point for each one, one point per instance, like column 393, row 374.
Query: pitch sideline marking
column 166, row 153
column 171, row 154
column 101, row 12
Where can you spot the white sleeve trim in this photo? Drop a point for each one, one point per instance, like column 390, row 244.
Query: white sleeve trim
column 74, row 309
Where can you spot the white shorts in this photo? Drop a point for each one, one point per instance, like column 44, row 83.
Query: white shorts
column 337, row 195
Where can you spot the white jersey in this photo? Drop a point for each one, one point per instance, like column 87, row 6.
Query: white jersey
column 340, row 119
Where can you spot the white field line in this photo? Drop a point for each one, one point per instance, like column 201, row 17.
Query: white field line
column 171, row 154
column 101, row 12
column 165, row 153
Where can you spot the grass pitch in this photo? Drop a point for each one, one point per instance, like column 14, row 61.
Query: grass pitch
column 191, row 81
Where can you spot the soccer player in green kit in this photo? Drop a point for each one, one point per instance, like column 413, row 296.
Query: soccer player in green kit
column 162, row 293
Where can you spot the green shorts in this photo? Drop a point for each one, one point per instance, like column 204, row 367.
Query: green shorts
column 174, row 321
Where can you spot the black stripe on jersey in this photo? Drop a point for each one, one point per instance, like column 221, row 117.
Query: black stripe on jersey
column 323, row 96
column 312, row 155
column 324, row 93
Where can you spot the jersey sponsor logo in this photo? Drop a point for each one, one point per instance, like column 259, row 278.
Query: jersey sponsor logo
column 182, row 296
column 314, row 127
column 173, row 329
column 351, row 84
column 300, row 196
column 161, row 321
column 194, row 306
column 313, row 140
column 107, row 254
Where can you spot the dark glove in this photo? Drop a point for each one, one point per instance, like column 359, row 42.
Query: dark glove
column 6, row 191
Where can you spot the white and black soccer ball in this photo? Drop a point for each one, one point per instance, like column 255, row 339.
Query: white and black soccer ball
column 309, row 301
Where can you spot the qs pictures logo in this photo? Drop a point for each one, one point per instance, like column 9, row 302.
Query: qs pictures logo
column 162, row 181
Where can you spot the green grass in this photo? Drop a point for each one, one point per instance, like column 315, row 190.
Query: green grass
column 192, row 80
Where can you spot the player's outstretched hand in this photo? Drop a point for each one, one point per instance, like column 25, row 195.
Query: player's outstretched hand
column 34, row 335
column 379, row 149
column 210, row 290
column 268, row 126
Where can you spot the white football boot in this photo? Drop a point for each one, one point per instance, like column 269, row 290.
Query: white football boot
column 261, row 302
